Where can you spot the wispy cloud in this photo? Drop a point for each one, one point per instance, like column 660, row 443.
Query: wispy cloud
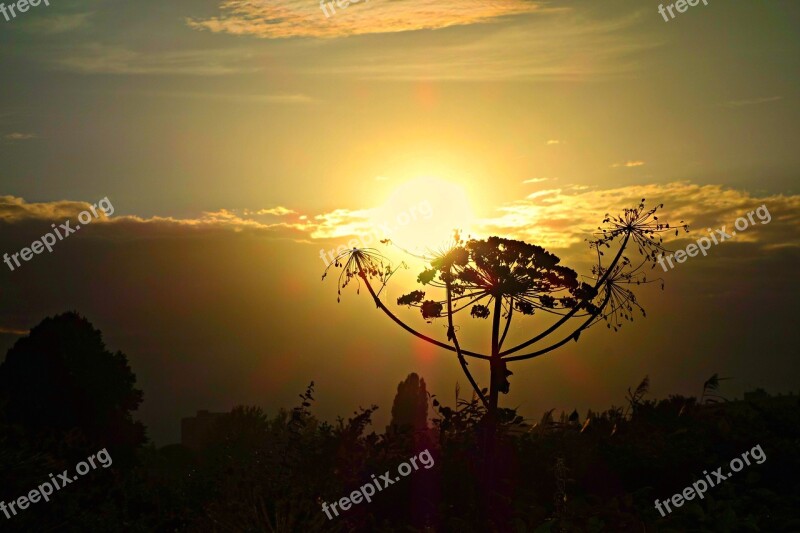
column 553, row 141
column 276, row 211
column 551, row 45
column 628, row 164
column 98, row 58
column 17, row 136
column 13, row 331
column 58, row 23
column 754, row 101
column 536, row 180
column 278, row 19
column 296, row 98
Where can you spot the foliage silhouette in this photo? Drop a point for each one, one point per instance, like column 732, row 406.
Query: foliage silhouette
column 64, row 397
column 271, row 472
column 410, row 407
column 61, row 380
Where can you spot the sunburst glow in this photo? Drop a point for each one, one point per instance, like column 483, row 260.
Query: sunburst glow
column 423, row 212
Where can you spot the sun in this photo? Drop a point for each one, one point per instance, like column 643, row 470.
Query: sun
column 422, row 213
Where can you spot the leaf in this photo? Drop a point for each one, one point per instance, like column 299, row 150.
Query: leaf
column 479, row 311
column 431, row 309
column 711, row 383
column 413, row 297
column 426, row 276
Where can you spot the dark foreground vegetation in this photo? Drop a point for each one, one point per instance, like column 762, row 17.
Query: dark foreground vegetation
column 63, row 397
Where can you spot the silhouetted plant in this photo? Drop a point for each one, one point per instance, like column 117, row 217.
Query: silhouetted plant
column 496, row 277
column 635, row 397
column 710, row 387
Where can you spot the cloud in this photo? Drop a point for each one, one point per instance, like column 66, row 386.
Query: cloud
column 754, row 101
column 13, row 209
column 628, row 164
column 292, row 226
column 561, row 218
column 553, row 141
column 276, row 19
column 341, row 223
column 98, row 58
column 58, row 23
column 16, row 136
column 554, row 218
column 287, row 98
column 537, row 180
column 277, row 211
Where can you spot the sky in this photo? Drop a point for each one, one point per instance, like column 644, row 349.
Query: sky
column 240, row 142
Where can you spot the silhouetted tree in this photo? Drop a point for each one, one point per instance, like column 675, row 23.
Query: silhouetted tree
column 60, row 379
column 410, row 407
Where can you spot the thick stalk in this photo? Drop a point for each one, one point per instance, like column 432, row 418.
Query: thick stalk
column 496, row 364
column 495, row 370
